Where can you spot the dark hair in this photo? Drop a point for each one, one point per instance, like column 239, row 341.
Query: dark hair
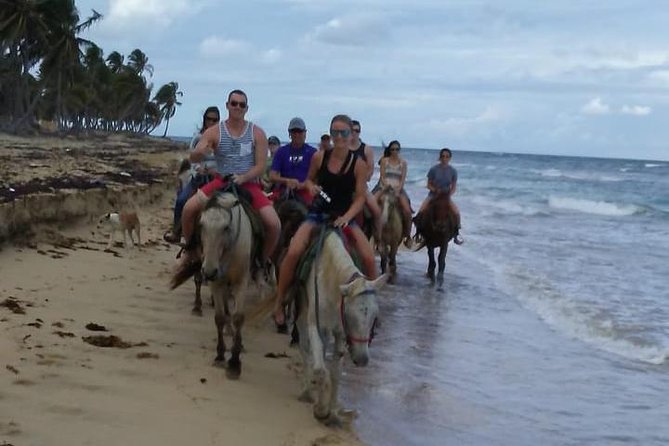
column 354, row 122
column 442, row 151
column 238, row 92
column 325, row 137
column 342, row 118
column 386, row 149
column 204, row 116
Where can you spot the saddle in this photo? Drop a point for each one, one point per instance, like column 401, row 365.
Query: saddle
column 318, row 236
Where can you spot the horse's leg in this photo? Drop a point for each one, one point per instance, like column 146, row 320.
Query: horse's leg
column 442, row 264
column 321, row 376
column 221, row 320
column 334, row 419
column 197, row 305
column 234, row 363
column 431, row 264
column 393, row 262
column 384, row 256
column 305, row 351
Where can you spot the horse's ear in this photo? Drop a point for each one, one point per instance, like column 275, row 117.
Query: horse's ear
column 379, row 282
column 351, row 288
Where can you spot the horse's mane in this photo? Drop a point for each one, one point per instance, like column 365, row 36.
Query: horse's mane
column 337, row 258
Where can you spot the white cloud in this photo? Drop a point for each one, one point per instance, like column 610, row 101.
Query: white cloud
column 354, row 30
column 219, row 46
column 144, row 14
column 636, row 110
column 461, row 126
column 271, row 56
column 596, row 107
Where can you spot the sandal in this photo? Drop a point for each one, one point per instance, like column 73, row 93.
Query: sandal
column 171, row 237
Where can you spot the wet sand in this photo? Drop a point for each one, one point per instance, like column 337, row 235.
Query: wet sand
column 94, row 349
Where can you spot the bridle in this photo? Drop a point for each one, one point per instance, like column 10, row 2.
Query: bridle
column 342, row 314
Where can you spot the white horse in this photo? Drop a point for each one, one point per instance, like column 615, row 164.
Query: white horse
column 227, row 240
column 338, row 310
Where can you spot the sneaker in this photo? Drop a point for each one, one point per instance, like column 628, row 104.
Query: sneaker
column 458, row 240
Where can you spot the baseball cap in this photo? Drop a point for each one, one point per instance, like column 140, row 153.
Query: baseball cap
column 297, row 123
column 274, row 140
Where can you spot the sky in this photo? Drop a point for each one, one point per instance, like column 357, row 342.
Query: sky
column 585, row 78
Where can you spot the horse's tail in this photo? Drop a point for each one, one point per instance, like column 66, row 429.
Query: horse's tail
column 260, row 311
column 184, row 272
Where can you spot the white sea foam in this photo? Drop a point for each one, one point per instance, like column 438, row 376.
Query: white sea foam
column 574, row 318
column 593, row 207
column 653, row 165
column 578, row 175
column 496, row 206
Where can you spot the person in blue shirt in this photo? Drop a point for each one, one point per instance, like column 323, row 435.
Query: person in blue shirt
column 290, row 164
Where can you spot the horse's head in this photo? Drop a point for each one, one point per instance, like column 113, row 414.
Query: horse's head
column 219, row 229
column 358, row 312
column 292, row 213
column 440, row 212
column 387, row 202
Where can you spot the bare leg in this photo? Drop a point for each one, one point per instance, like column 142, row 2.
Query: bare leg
column 363, row 248
column 376, row 215
column 192, row 210
column 272, row 230
column 287, row 270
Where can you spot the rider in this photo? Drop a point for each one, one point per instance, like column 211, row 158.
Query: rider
column 366, row 154
column 325, row 142
column 394, row 173
column 443, row 177
column 200, row 174
column 240, row 148
column 273, row 144
column 290, row 165
column 338, row 175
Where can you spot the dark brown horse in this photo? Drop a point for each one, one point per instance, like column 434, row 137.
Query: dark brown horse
column 435, row 227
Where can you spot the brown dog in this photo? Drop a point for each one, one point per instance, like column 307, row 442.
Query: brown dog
column 124, row 222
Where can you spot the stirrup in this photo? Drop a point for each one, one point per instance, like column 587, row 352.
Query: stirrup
column 458, row 240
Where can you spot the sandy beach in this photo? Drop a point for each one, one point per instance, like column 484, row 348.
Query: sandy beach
column 59, row 290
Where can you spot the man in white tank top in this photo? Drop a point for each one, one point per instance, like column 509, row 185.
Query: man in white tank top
column 245, row 169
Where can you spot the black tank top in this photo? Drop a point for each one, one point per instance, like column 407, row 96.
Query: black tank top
column 360, row 151
column 340, row 187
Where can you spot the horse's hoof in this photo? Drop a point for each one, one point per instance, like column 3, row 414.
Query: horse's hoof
column 306, row 397
column 347, row 415
column 333, row 421
column 196, row 312
column 234, row 369
column 219, row 361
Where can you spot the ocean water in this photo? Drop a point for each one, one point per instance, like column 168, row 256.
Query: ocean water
column 553, row 325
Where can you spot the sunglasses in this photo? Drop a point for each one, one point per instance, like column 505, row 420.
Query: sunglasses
column 356, row 130
column 296, row 131
column 237, row 104
column 394, row 149
column 344, row 133
column 211, row 118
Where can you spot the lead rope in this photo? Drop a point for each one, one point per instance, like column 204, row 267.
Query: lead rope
column 319, row 249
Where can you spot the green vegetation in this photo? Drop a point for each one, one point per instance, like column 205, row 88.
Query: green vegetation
column 49, row 73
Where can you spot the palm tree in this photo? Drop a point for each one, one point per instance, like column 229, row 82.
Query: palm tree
column 166, row 98
column 139, row 63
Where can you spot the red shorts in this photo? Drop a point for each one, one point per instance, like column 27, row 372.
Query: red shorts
column 258, row 198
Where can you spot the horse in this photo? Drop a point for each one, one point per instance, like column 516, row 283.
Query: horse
column 338, row 303
column 391, row 232
column 437, row 226
column 226, row 239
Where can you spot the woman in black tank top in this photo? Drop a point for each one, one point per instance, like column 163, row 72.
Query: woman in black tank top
column 343, row 182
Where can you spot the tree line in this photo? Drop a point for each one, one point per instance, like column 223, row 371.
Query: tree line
column 48, row 72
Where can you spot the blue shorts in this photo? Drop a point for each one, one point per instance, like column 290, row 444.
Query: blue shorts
column 320, row 219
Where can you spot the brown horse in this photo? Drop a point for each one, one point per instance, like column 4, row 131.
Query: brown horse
column 391, row 231
column 436, row 226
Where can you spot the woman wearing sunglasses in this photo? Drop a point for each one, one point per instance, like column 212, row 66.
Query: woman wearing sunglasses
column 339, row 184
column 200, row 174
column 393, row 174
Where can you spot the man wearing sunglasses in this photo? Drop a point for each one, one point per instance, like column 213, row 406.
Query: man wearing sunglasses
column 366, row 153
column 240, row 149
column 290, row 165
